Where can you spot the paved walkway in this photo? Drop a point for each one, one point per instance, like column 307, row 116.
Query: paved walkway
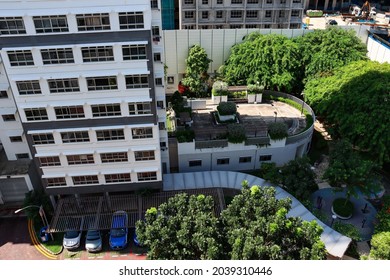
column 336, row 243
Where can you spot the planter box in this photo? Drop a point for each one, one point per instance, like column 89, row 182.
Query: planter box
column 225, row 118
column 278, row 143
column 255, row 98
column 220, row 98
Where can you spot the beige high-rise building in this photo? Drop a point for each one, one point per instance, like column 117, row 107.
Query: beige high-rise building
column 233, row 14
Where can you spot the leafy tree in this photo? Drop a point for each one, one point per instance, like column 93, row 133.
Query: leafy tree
column 354, row 103
column 184, row 228
column 346, row 168
column 256, row 227
column 296, row 177
column 196, row 71
column 270, row 60
column 380, row 246
column 324, row 50
column 383, row 216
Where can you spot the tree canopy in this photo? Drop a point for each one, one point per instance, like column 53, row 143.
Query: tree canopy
column 354, row 101
column 254, row 226
column 271, row 60
column 197, row 65
column 325, row 50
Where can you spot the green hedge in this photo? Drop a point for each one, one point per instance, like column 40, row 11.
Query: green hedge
column 277, row 130
column 227, row 108
column 342, row 207
column 314, row 13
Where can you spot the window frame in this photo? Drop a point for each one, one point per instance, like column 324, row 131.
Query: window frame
column 8, row 118
column 80, row 159
column 114, row 157
column 51, row 24
column 57, row 56
column 97, row 54
column 141, row 132
column 33, row 116
column 93, row 22
column 20, row 58
column 56, row 182
column 42, row 139
column 87, row 180
column 140, row 108
column 49, row 161
column 111, row 84
column 106, row 110
column 17, row 26
column 145, row 155
column 75, row 137
column 110, row 135
column 137, row 81
column 140, row 53
column 147, row 176
column 30, row 87
column 63, row 85
column 69, row 112
column 125, row 20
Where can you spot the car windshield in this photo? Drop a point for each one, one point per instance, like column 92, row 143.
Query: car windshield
column 118, row 232
column 71, row 234
column 93, row 235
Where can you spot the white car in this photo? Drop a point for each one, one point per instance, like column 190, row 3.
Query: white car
column 72, row 240
column 93, row 241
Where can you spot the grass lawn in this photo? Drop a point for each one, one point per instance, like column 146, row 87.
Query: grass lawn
column 54, row 246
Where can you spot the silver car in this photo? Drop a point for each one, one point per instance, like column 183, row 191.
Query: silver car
column 93, row 241
column 72, row 240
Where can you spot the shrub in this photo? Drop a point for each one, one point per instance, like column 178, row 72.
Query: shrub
column 185, row 136
column 277, row 130
column 220, row 88
column 348, row 230
column 380, row 246
column 342, row 207
column 177, row 102
column 255, row 89
column 227, row 108
column 383, row 216
column 236, row 133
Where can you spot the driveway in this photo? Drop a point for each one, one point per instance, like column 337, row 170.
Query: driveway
column 15, row 241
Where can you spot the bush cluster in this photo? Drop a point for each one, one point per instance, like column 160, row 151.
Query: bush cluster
column 227, row 108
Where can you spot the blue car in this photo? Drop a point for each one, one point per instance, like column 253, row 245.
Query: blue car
column 119, row 230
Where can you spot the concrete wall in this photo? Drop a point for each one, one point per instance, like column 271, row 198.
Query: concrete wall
column 378, row 51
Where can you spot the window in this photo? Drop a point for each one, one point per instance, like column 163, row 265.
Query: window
column 50, row 161
column 281, row 14
column 80, row 159
column 205, row 2
column 163, row 145
column 12, row 25
column 57, row 56
column 92, row 54
column 74, row 137
column 147, row 176
column 131, row 20
column 189, row 14
column 236, row 1
column 50, row 24
column 157, row 57
column 295, row 26
column 36, row 114
column 69, row 112
column 268, row 14
column 137, row 81
column 117, row 178
column 235, row 26
column 296, row 1
column 282, row 1
column 193, row 163
column 143, row 132
column 253, row 1
column 220, row 2
column 161, row 125
column 101, row 83
column 154, row 4
column 42, row 139
column 114, row 157
column 267, row 25
column 245, row 159
column 205, row 14
column 105, row 110
column 266, row 158
column 158, row 81
column 20, row 58
column 144, row 155
column 109, row 135
column 236, row 14
column 155, row 31
column 219, row 14
column 15, row 139
column 251, row 26
column 85, row 180
column 251, row 14
column 188, row 2
column 22, row 156
column 135, row 52
column 295, row 13
column 9, row 118
column 64, row 85
column 58, row 181
column 160, row 104
column 269, row 1
column 3, row 94
column 88, row 22
column 223, row 161
column 140, row 108
column 28, row 87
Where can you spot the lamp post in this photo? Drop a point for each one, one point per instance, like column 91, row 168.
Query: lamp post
column 334, row 217
column 41, row 213
column 303, row 102
column 276, row 114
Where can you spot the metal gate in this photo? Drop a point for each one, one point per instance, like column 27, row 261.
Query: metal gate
column 13, row 189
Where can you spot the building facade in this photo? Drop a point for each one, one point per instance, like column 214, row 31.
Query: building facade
column 85, row 82
column 236, row 14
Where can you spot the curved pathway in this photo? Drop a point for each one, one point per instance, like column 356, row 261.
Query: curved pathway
column 336, row 244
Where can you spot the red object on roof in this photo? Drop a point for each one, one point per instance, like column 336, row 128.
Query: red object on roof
column 181, row 88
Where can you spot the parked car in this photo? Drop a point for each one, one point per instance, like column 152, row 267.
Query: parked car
column 93, row 241
column 118, row 231
column 136, row 241
column 331, row 22
column 72, row 239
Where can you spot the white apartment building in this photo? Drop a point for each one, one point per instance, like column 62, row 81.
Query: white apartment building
column 236, row 14
column 87, row 79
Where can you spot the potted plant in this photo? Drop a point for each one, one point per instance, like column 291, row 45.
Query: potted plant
column 226, row 111
column 278, row 133
column 255, row 93
column 219, row 92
